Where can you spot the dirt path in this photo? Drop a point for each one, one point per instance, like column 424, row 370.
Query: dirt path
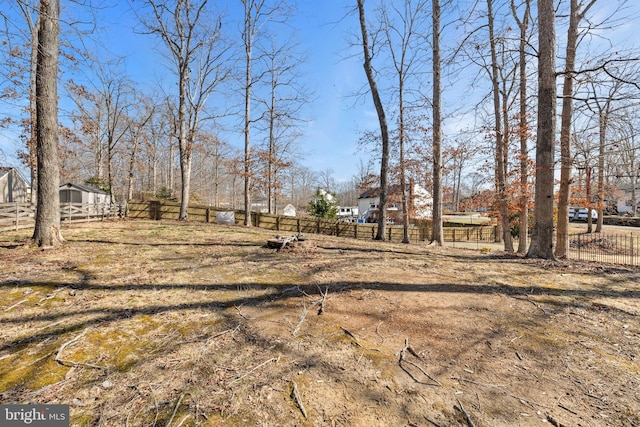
column 145, row 323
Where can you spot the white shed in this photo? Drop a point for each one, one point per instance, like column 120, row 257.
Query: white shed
column 81, row 193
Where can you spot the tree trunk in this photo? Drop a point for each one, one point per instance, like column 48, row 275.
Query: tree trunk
column 47, row 226
column 184, row 145
column 523, row 130
column 542, row 236
column 566, row 160
column 437, row 237
column 248, row 46
column 382, row 119
column 32, row 144
column 604, row 122
column 501, row 183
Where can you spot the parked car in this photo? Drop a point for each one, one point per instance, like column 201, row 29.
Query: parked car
column 582, row 213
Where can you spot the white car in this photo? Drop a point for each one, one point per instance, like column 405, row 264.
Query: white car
column 581, row 214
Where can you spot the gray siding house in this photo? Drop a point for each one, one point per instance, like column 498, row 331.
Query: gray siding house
column 13, row 187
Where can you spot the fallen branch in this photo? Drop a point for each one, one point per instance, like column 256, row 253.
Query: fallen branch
column 239, row 312
column 351, row 334
column 51, row 295
column 301, row 320
column 70, row 363
column 16, row 304
column 554, row 422
column 497, row 387
column 466, row 415
column 273, row 359
column 296, row 397
column 175, row 410
column 324, row 299
column 407, row 348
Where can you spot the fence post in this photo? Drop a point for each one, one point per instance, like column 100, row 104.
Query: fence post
column 355, row 231
column 631, row 249
column 17, row 216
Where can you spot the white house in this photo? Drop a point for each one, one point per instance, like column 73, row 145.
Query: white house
column 347, row 213
column 13, row 187
column 420, row 201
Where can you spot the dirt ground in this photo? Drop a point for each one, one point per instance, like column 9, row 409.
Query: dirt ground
column 140, row 323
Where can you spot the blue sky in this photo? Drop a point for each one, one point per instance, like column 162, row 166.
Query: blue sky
column 335, row 118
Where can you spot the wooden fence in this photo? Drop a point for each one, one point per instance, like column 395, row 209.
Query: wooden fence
column 14, row 216
column 158, row 210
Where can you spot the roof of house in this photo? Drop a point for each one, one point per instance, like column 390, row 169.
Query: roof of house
column 4, row 170
column 372, row 193
column 83, row 187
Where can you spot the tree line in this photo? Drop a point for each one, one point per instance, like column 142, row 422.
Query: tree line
column 466, row 96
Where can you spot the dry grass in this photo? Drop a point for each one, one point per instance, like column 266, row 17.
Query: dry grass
column 139, row 323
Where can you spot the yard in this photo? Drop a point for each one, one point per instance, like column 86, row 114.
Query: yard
column 166, row 323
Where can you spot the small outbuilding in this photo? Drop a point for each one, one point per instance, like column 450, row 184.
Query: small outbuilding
column 13, row 187
column 289, row 210
column 82, row 194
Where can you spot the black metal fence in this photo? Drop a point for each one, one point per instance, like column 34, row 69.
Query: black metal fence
column 622, row 249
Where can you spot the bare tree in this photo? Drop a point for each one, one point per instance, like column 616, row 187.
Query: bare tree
column 576, row 14
column 523, row 123
column 500, row 135
column 47, row 226
column 136, row 129
column 542, row 236
column 192, row 38
column 382, row 120
column 437, row 227
column 283, row 101
column 401, row 38
column 257, row 13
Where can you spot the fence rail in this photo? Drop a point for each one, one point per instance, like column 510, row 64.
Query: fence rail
column 14, row 216
column 158, row 210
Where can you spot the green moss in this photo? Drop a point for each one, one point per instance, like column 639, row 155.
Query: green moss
column 32, row 370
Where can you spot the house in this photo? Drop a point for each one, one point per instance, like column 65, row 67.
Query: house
column 84, row 194
column 420, row 202
column 13, row 187
column 624, row 205
column 347, row 213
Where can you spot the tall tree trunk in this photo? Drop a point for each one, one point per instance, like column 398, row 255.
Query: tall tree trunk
column 603, row 123
column 437, row 237
column 566, row 160
column 248, row 46
column 47, row 227
column 32, row 144
column 542, row 236
column 406, row 204
column 501, row 136
column 184, row 145
column 523, row 130
column 132, row 163
column 382, row 119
